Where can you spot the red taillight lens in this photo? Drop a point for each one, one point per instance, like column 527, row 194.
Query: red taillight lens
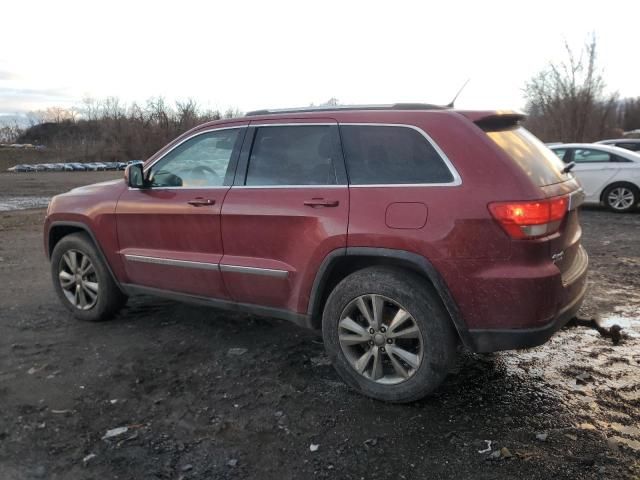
column 530, row 219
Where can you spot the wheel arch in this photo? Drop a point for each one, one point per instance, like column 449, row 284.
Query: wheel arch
column 60, row 229
column 345, row 261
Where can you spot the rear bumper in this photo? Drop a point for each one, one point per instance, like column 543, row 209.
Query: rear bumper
column 492, row 340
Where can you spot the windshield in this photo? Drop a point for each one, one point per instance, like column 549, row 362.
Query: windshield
column 541, row 164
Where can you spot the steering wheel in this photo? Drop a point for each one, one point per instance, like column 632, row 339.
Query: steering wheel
column 203, row 169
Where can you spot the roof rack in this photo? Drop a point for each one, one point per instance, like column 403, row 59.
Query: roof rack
column 393, row 106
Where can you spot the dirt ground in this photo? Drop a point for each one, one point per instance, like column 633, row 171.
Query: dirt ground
column 194, row 409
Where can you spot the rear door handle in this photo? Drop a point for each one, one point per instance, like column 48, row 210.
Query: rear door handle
column 200, row 202
column 321, row 202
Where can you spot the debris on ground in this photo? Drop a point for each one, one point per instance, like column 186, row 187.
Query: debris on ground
column 114, row 432
column 370, row 442
column 488, row 449
column 320, row 361
column 542, row 437
column 505, row 452
column 495, row 455
column 237, row 351
column 314, row 447
column 232, row 462
column 34, row 370
column 88, row 458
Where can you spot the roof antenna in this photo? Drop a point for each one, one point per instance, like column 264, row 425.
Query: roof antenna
column 450, row 104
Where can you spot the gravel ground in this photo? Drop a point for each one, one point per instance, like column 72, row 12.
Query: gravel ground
column 274, row 407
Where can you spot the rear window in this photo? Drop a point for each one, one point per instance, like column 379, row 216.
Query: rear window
column 536, row 160
column 388, row 155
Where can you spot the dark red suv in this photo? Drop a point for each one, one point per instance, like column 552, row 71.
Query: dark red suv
column 399, row 231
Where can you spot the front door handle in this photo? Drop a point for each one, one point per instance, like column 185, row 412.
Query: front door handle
column 321, row 202
column 200, row 202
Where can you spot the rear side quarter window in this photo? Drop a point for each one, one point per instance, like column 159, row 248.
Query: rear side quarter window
column 391, row 155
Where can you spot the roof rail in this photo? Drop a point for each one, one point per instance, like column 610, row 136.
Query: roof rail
column 393, row 106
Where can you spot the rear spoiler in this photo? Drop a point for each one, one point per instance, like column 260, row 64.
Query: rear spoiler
column 495, row 120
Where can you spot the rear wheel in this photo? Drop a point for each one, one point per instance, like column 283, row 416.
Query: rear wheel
column 621, row 197
column 388, row 334
column 82, row 280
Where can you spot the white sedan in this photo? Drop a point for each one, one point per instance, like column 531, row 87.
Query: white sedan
column 608, row 175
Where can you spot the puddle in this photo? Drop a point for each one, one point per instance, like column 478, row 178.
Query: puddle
column 22, row 203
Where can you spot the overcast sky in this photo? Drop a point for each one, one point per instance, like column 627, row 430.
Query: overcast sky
column 271, row 53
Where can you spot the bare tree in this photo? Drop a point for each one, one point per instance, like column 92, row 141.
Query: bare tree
column 567, row 101
column 9, row 133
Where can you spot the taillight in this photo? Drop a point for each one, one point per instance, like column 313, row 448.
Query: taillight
column 530, row 219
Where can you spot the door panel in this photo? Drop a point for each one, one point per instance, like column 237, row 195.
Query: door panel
column 594, row 177
column 156, row 225
column 283, row 240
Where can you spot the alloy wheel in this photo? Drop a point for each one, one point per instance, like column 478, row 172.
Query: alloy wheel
column 620, row 198
column 78, row 279
column 380, row 339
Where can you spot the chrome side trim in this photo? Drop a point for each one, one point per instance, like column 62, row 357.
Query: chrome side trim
column 457, row 180
column 287, row 186
column 172, row 262
column 269, row 272
column 156, row 189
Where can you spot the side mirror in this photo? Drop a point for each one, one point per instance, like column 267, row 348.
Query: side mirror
column 134, row 176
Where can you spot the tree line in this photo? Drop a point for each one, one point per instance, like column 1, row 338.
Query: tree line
column 109, row 130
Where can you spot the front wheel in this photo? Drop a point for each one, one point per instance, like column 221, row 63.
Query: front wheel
column 388, row 334
column 82, row 280
column 621, row 198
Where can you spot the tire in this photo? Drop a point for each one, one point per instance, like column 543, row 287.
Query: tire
column 621, row 197
column 392, row 289
column 71, row 250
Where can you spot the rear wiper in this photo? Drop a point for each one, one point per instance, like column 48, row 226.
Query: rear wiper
column 567, row 168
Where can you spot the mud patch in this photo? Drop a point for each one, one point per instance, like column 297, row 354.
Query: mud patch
column 22, row 203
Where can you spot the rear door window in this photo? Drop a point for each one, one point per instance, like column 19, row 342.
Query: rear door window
column 534, row 158
column 384, row 155
column 293, row 155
